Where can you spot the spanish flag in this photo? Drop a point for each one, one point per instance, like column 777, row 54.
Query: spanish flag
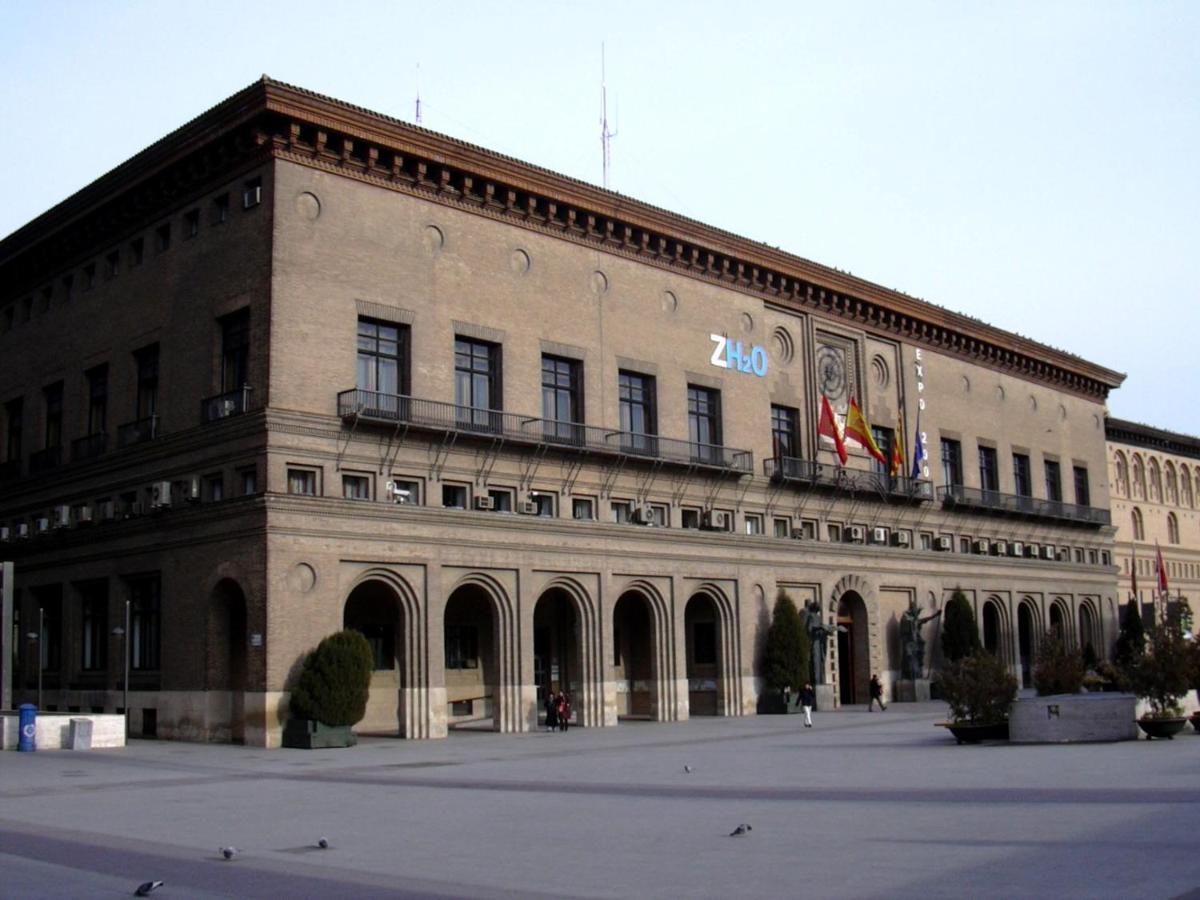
column 859, row 428
column 896, row 467
column 827, row 426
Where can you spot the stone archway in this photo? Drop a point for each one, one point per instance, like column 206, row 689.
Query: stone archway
column 703, row 632
column 1060, row 621
column 636, row 666
column 227, row 662
column 993, row 631
column 373, row 608
column 1088, row 635
column 557, row 656
column 1027, row 632
column 854, row 649
column 473, row 666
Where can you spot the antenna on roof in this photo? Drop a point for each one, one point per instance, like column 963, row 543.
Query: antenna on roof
column 606, row 136
column 418, row 93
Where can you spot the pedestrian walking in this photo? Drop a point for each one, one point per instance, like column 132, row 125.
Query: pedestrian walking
column 876, row 694
column 551, row 705
column 808, row 699
column 564, row 711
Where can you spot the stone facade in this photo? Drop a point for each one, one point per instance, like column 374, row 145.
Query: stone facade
column 517, row 429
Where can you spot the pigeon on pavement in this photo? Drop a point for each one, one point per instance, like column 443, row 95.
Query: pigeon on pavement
column 228, row 852
column 687, row 768
column 740, row 830
column 144, row 889
column 323, row 843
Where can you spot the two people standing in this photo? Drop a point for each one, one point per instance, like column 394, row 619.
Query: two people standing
column 558, row 710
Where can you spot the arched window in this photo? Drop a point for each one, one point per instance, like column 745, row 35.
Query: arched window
column 1185, row 486
column 1172, row 529
column 1155, row 481
column 1198, row 482
column 1139, row 531
column 1139, row 478
column 1170, row 484
column 1122, row 486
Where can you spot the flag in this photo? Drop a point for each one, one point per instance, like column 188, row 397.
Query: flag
column 828, row 427
column 1133, row 569
column 918, row 449
column 897, row 464
column 1160, row 568
column 859, row 428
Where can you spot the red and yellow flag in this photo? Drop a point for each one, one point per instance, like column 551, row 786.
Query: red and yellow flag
column 859, row 428
column 827, row 426
column 896, row 467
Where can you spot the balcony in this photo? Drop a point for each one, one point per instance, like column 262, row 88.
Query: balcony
column 137, row 432
column 89, row 447
column 880, row 485
column 222, row 406
column 432, row 415
column 45, row 460
column 959, row 497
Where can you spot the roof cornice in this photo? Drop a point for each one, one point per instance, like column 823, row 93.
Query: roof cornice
column 1122, row 431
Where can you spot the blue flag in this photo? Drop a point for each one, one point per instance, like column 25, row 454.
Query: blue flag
column 919, row 454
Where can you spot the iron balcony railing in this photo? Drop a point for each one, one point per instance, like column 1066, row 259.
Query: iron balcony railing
column 88, row 447
column 1017, row 505
column 45, row 460
column 433, row 415
column 138, row 431
column 222, row 406
column 850, row 481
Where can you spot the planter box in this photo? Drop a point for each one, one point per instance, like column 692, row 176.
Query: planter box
column 773, row 703
column 1195, row 720
column 305, row 734
column 966, row 733
column 1073, row 719
column 1162, row 728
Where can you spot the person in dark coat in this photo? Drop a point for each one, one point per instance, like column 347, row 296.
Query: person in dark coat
column 808, row 699
column 876, row 694
column 551, row 705
column 564, row 711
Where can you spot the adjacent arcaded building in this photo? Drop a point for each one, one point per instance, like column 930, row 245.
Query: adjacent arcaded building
column 299, row 366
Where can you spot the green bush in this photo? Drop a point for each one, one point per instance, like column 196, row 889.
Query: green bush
column 960, row 636
column 1131, row 642
column 787, row 653
column 978, row 689
column 1163, row 673
column 334, row 681
column 1058, row 669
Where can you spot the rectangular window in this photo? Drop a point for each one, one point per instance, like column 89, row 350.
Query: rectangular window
column 477, row 383
column 835, row 532
column 1083, row 496
column 689, row 518
column 383, row 357
column 1053, row 481
column 964, row 545
column 583, row 508
column 162, row 238
column 137, row 252
column 636, row 395
column 704, row 423
column 47, row 294
column 252, row 192
column 68, row 285
column 952, row 462
column 53, row 396
column 785, row 435
column 235, row 351
column 249, row 480
column 544, row 502
column 621, row 511
column 1022, row 482
column 356, row 487
column 454, row 496
column 462, row 647
column 783, row 528
column 883, row 440
column 93, row 619
column 144, row 623
column 146, row 360
column 49, row 601
column 14, row 413
column 112, row 264
column 214, row 487
column 808, row 528
column 89, row 279
column 220, row 209
column 97, row 380
column 502, row 499
column 926, row 540
column 754, row 524
column 989, row 475
column 302, row 481
column 405, row 491
column 191, row 223
column 562, row 399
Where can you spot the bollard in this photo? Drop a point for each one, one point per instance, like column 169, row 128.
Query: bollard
column 27, row 741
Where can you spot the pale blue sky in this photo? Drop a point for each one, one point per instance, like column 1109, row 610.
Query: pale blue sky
column 1030, row 164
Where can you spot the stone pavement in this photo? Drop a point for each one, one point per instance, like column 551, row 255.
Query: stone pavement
column 862, row 805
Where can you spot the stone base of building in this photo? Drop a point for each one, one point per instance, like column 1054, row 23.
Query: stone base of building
column 825, row 697
column 912, row 691
column 54, row 730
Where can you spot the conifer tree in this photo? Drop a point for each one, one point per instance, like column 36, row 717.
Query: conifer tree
column 787, row 650
column 960, row 636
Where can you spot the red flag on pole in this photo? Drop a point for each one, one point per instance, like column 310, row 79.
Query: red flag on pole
column 1160, row 568
column 827, row 427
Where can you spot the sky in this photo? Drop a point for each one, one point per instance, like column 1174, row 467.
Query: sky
column 1032, row 164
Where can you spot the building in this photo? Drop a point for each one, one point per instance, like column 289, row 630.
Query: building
column 299, row 365
column 1154, row 482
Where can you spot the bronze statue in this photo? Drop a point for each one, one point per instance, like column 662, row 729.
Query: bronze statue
column 818, row 634
column 910, row 636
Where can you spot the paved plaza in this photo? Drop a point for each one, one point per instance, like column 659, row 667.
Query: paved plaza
column 862, row 805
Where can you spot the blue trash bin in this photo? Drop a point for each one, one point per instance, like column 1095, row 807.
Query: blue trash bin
column 27, row 740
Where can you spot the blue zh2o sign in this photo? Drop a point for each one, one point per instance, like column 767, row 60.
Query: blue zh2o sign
column 732, row 355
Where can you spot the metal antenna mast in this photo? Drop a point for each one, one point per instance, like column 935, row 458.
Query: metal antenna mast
column 606, row 136
column 418, row 93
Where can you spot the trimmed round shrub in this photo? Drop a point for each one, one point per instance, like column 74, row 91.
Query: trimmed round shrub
column 1058, row 669
column 978, row 689
column 960, row 635
column 1131, row 642
column 334, row 681
column 786, row 656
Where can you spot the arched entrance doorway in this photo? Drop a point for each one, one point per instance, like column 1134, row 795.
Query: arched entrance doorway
column 1087, row 630
column 227, row 659
column 1058, row 624
column 557, row 663
column 1026, row 625
column 373, row 608
column 633, row 665
column 473, row 689
column 702, row 626
column 991, row 627
column 854, row 660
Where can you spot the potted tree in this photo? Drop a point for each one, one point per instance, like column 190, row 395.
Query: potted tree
column 331, row 693
column 1058, row 669
column 1162, row 675
column 785, row 659
column 978, row 689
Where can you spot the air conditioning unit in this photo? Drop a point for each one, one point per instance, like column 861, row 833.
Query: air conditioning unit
column 901, row 539
column 135, row 508
column 22, row 529
column 945, row 543
column 485, row 503
column 5, row 534
column 1033, row 551
column 108, row 510
column 644, row 515
column 226, row 408
column 715, row 520
column 855, row 534
column 193, row 489
column 42, row 525
column 84, row 516
column 1047, row 552
column 797, row 534
column 527, row 508
column 160, row 494
column 1017, row 548
column 1000, row 548
column 982, row 546
column 879, row 535
column 397, row 493
column 62, row 516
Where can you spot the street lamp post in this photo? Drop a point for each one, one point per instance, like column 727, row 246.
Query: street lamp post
column 36, row 638
column 123, row 634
